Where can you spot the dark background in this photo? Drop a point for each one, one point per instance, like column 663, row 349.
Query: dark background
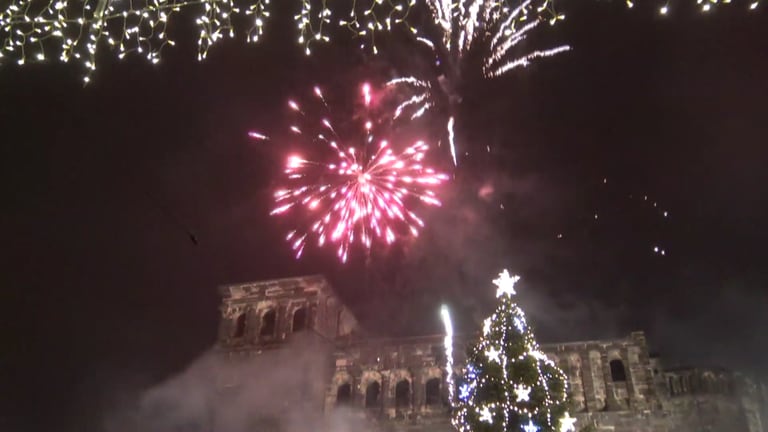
column 104, row 293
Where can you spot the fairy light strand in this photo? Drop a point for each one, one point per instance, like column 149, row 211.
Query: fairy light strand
column 75, row 30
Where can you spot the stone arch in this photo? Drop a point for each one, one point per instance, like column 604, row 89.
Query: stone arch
column 299, row 321
column 370, row 385
column 268, row 323
column 344, row 394
column 402, row 394
column 432, row 389
column 432, row 378
column 372, row 394
column 240, row 325
column 618, row 373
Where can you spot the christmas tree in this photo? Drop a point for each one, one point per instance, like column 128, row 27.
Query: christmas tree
column 508, row 383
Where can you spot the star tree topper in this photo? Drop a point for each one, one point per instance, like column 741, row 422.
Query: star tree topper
column 505, row 284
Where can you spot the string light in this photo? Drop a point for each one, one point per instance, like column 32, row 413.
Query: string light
column 67, row 30
column 529, row 404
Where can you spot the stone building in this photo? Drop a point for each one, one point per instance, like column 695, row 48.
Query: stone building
column 400, row 384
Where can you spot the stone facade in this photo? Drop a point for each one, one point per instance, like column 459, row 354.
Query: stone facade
column 400, row 384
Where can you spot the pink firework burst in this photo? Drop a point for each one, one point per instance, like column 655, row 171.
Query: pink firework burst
column 361, row 193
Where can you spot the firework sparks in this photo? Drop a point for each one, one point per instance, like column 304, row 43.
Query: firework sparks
column 463, row 25
column 448, row 345
column 362, row 193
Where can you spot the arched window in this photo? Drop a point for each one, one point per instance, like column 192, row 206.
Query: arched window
column 403, row 394
column 240, row 325
column 299, row 319
column 372, row 394
column 268, row 323
column 344, row 394
column 617, row 371
column 433, row 391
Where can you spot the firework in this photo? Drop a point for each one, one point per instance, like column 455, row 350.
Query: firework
column 448, row 345
column 362, row 192
column 464, row 25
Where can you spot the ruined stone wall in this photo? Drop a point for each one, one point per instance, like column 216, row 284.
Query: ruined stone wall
column 399, row 379
column 611, row 375
column 401, row 384
column 267, row 312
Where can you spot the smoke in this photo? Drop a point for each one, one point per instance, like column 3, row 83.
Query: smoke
column 487, row 223
column 279, row 389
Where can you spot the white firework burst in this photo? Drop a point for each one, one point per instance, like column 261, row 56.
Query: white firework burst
column 493, row 27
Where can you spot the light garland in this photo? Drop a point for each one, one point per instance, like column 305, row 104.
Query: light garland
column 533, row 405
column 704, row 5
column 44, row 30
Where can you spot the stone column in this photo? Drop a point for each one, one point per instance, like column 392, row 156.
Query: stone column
column 387, row 392
column 576, row 384
column 252, row 325
column 599, row 385
column 418, row 390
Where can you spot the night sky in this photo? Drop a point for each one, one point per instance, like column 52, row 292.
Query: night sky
column 126, row 203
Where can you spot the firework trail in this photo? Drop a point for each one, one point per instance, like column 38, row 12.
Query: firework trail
column 362, row 192
column 445, row 314
column 493, row 27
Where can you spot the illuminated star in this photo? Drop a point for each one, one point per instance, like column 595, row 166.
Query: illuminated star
column 567, row 423
column 464, row 392
column 493, row 354
column 485, row 415
column 519, row 324
column 505, row 283
column 522, row 393
column 530, row 427
column 486, row 326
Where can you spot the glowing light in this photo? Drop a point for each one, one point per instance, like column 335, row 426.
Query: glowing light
column 77, row 30
column 493, row 354
column 513, row 405
column 530, row 427
column 257, row 135
column 451, row 141
column 567, row 423
column 485, row 415
column 448, row 345
column 367, row 94
column 486, row 326
column 461, row 26
column 522, row 393
column 505, row 284
column 361, row 193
